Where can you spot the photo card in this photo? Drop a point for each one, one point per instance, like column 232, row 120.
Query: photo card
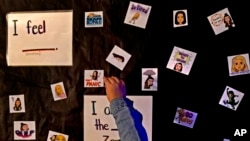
column 93, row 78
column 221, row 21
column 93, row 19
column 56, row 136
column 231, row 98
column 17, row 103
column 180, row 18
column 137, row 14
column 149, row 79
column 118, row 57
column 238, row 64
column 58, row 91
column 24, row 130
column 185, row 117
column 181, row 60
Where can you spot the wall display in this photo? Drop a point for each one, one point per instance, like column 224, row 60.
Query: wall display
column 100, row 125
column 39, row 38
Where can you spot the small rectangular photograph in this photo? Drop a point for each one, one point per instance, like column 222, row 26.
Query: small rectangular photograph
column 149, row 79
column 93, row 78
column 17, row 103
column 93, row 19
column 180, row 18
column 137, row 14
column 57, row 136
column 118, row 57
column 231, row 98
column 58, row 91
column 238, row 64
column 24, row 130
column 221, row 21
column 185, row 117
column 181, row 60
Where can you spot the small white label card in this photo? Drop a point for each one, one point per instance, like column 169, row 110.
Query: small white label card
column 99, row 124
column 24, row 130
column 16, row 103
column 149, row 79
column 118, row 57
column 221, row 21
column 56, row 136
column 137, row 14
column 180, row 18
column 58, row 91
column 94, row 19
column 238, row 64
column 93, row 78
column 39, row 38
column 231, row 98
column 181, row 60
column 185, row 117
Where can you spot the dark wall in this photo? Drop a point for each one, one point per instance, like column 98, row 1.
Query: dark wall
column 200, row 91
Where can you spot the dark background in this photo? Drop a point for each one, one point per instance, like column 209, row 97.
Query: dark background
column 200, row 91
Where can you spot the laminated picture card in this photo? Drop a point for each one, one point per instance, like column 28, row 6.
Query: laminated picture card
column 39, row 38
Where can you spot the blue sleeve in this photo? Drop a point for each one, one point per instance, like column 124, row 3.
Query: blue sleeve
column 128, row 120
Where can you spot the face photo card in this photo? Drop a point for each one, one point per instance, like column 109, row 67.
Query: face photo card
column 149, row 79
column 56, row 136
column 185, row 117
column 181, row 60
column 118, row 57
column 238, row 64
column 221, row 21
column 93, row 19
column 16, row 103
column 24, row 130
column 231, row 98
column 180, row 18
column 93, row 78
column 99, row 123
column 137, row 14
column 58, row 91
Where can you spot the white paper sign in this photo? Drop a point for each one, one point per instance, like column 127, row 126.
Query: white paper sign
column 41, row 38
column 99, row 124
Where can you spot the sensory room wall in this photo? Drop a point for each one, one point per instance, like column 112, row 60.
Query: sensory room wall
column 206, row 99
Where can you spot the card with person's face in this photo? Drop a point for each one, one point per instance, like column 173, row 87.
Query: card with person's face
column 231, row 98
column 137, row 14
column 93, row 78
column 221, row 21
column 180, row 18
column 181, row 60
column 24, row 130
column 58, row 91
column 118, row 57
column 57, row 136
column 185, row 117
column 16, row 103
column 238, row 64
column 149, row 79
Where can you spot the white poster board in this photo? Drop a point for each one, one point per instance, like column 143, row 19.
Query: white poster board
column 99, row 124
column 39, row 38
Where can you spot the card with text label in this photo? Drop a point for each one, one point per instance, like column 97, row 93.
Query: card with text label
column 40, row 38
column 94, row 19
column 221, row 21
column 24, row 130
column 56, row 136
column 185, row 117
column 231, row 98
column 149, row 79
column 181, row 60
column 238, row 64
column 137, row 14
column 93, row 78
column 16, row 103
column 99, row 122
